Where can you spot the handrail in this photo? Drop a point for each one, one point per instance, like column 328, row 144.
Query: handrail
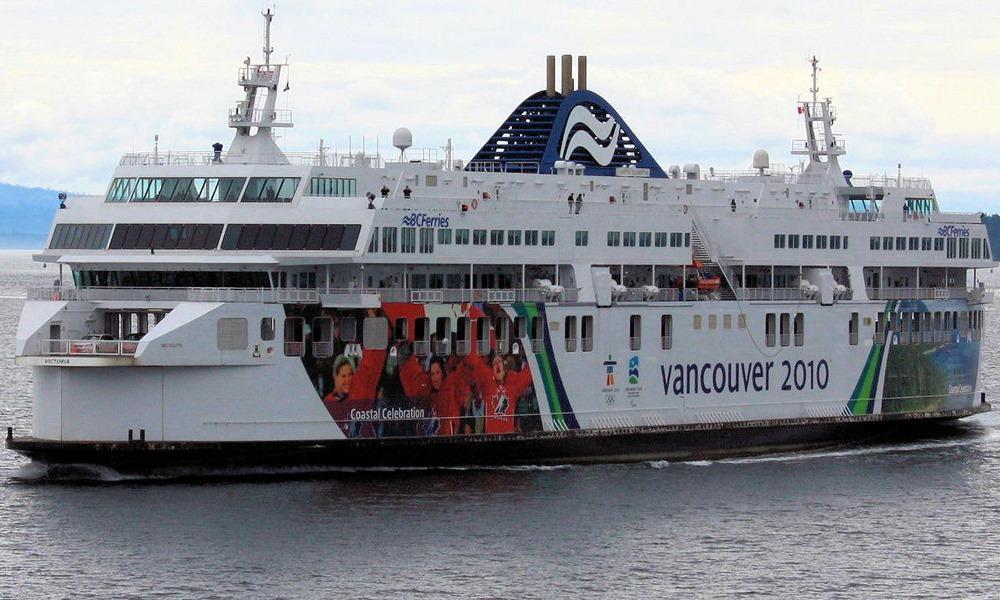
column 60, row 347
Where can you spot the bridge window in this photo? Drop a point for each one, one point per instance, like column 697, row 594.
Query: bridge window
column 479, row 237
column 461, row 237
column 581, row 238
column 407, row 240
column 779, row 240
column 549, row 237
column 900, row 243
column 963, row 248
column 628, row 239
column 175, row 189
column 938, row 244
column 276, row 237
column 514, row 237
column 444, row 236
column 807, row 241
column 614, row 238
column 793, row 240
column 144, row 236
column 925, row 244
column 874, row 243
column 660, row 239
column 531, row 237
column 74, row 236
column 645, row 239
column 835, row 242
column 271, row 189
column 496, row 237
column 952, row 247
column 388, row 239
column 821, row 242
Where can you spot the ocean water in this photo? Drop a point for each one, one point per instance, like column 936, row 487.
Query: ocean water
column 920, row 518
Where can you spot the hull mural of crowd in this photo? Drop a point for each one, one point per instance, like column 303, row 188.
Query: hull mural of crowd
column 416, row 370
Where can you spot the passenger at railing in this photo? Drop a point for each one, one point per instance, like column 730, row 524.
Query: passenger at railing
column 570, row 202
column 371, row 200
column 385, row 191
column 407, row 192
column 579, row 203
column 217, row 152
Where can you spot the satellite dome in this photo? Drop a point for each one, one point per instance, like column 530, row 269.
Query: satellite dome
column 761, row 160
column 402, row 139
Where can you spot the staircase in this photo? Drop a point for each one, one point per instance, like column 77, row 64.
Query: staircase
column 700, row 252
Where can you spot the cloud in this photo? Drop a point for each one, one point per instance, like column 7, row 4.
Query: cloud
column 698, row 82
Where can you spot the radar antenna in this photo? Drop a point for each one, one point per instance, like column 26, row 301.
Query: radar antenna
column 268, row 15
column 815, row 88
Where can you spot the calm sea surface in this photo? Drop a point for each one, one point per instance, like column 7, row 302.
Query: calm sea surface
column 903, row 520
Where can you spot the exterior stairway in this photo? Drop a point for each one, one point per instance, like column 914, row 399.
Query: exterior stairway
column 700, row 253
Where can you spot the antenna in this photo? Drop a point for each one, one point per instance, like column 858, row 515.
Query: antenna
column 815, row 66
column 268, row 15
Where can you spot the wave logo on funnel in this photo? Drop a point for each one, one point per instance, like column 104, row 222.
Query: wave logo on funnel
column 584, row 130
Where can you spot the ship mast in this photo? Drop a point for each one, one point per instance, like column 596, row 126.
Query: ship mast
column 821, row 145
column 255, row 116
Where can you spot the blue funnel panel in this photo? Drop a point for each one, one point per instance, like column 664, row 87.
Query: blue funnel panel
column 581, row 127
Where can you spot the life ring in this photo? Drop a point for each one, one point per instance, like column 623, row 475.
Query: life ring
column 475, row 203
column 685, row 209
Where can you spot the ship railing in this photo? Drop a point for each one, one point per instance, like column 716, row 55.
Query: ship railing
column 570, row 344
column 846, row 215
column 804, row 145
column 304, row 295
column 885, row 180
column 496, row 166
column 928, row 293
column 462, row 347
column 645, row 295
column 308, row 159
column 92, row 347
column 770, row 294
column 587, row 344
column 421, row 347
column 666, row 342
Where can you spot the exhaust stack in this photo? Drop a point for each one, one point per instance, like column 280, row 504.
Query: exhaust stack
column 581, row 72
column 550, row 75
column 567, row 74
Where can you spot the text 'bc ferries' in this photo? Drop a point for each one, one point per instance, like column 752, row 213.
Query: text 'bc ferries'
column 560, row 297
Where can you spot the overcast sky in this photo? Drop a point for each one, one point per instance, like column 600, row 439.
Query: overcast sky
column 706, row 82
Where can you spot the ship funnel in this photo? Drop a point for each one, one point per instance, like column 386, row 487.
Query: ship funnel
column 567, row 74
column 581, row 72
column 550, row 75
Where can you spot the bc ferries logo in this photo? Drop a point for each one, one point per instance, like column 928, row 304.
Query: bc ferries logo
column 424, row 220
column 953, row 231
column 598, row 138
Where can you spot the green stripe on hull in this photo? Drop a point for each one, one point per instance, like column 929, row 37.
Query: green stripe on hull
column 542, row 359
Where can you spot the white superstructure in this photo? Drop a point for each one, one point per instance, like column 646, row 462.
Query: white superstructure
column 560, row 281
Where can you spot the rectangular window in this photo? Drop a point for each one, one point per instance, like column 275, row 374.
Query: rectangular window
column 793, row 240
column 874, row 243
column 779, row 240
column 770, row 329
column 660, row 239
column 408, row 240
column 835, row 242
column 977, row 248
column 821, row 242
column 295, row 336
column 444, row 236
column 530, row 237
column 914, row 243
column 537, row 334
column 938, row 244
column 687, row 240
column 514, row 237
column 614, row 238
column 852, row 329
column 496, row 237
column 799, row 329
column 952, row 247
column 676, row 240
column 900, row 243
column 549, row 237
column 267, row 329
column 785, row 331
column 886, row 242
column 322, row 337
column 388, row 239
column 963, row 248
column 426, row 240
column 331, row 186
column 569, row 330
column 666, row 332
column 635, row 333
column 807, row 241
column 581, row 238
column 461, row 237
column 645, row 239
column 925, row 244
column 587, row 333
column 478, row 237
column 696, row 322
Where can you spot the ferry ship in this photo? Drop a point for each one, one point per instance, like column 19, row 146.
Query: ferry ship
column 559, row 298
